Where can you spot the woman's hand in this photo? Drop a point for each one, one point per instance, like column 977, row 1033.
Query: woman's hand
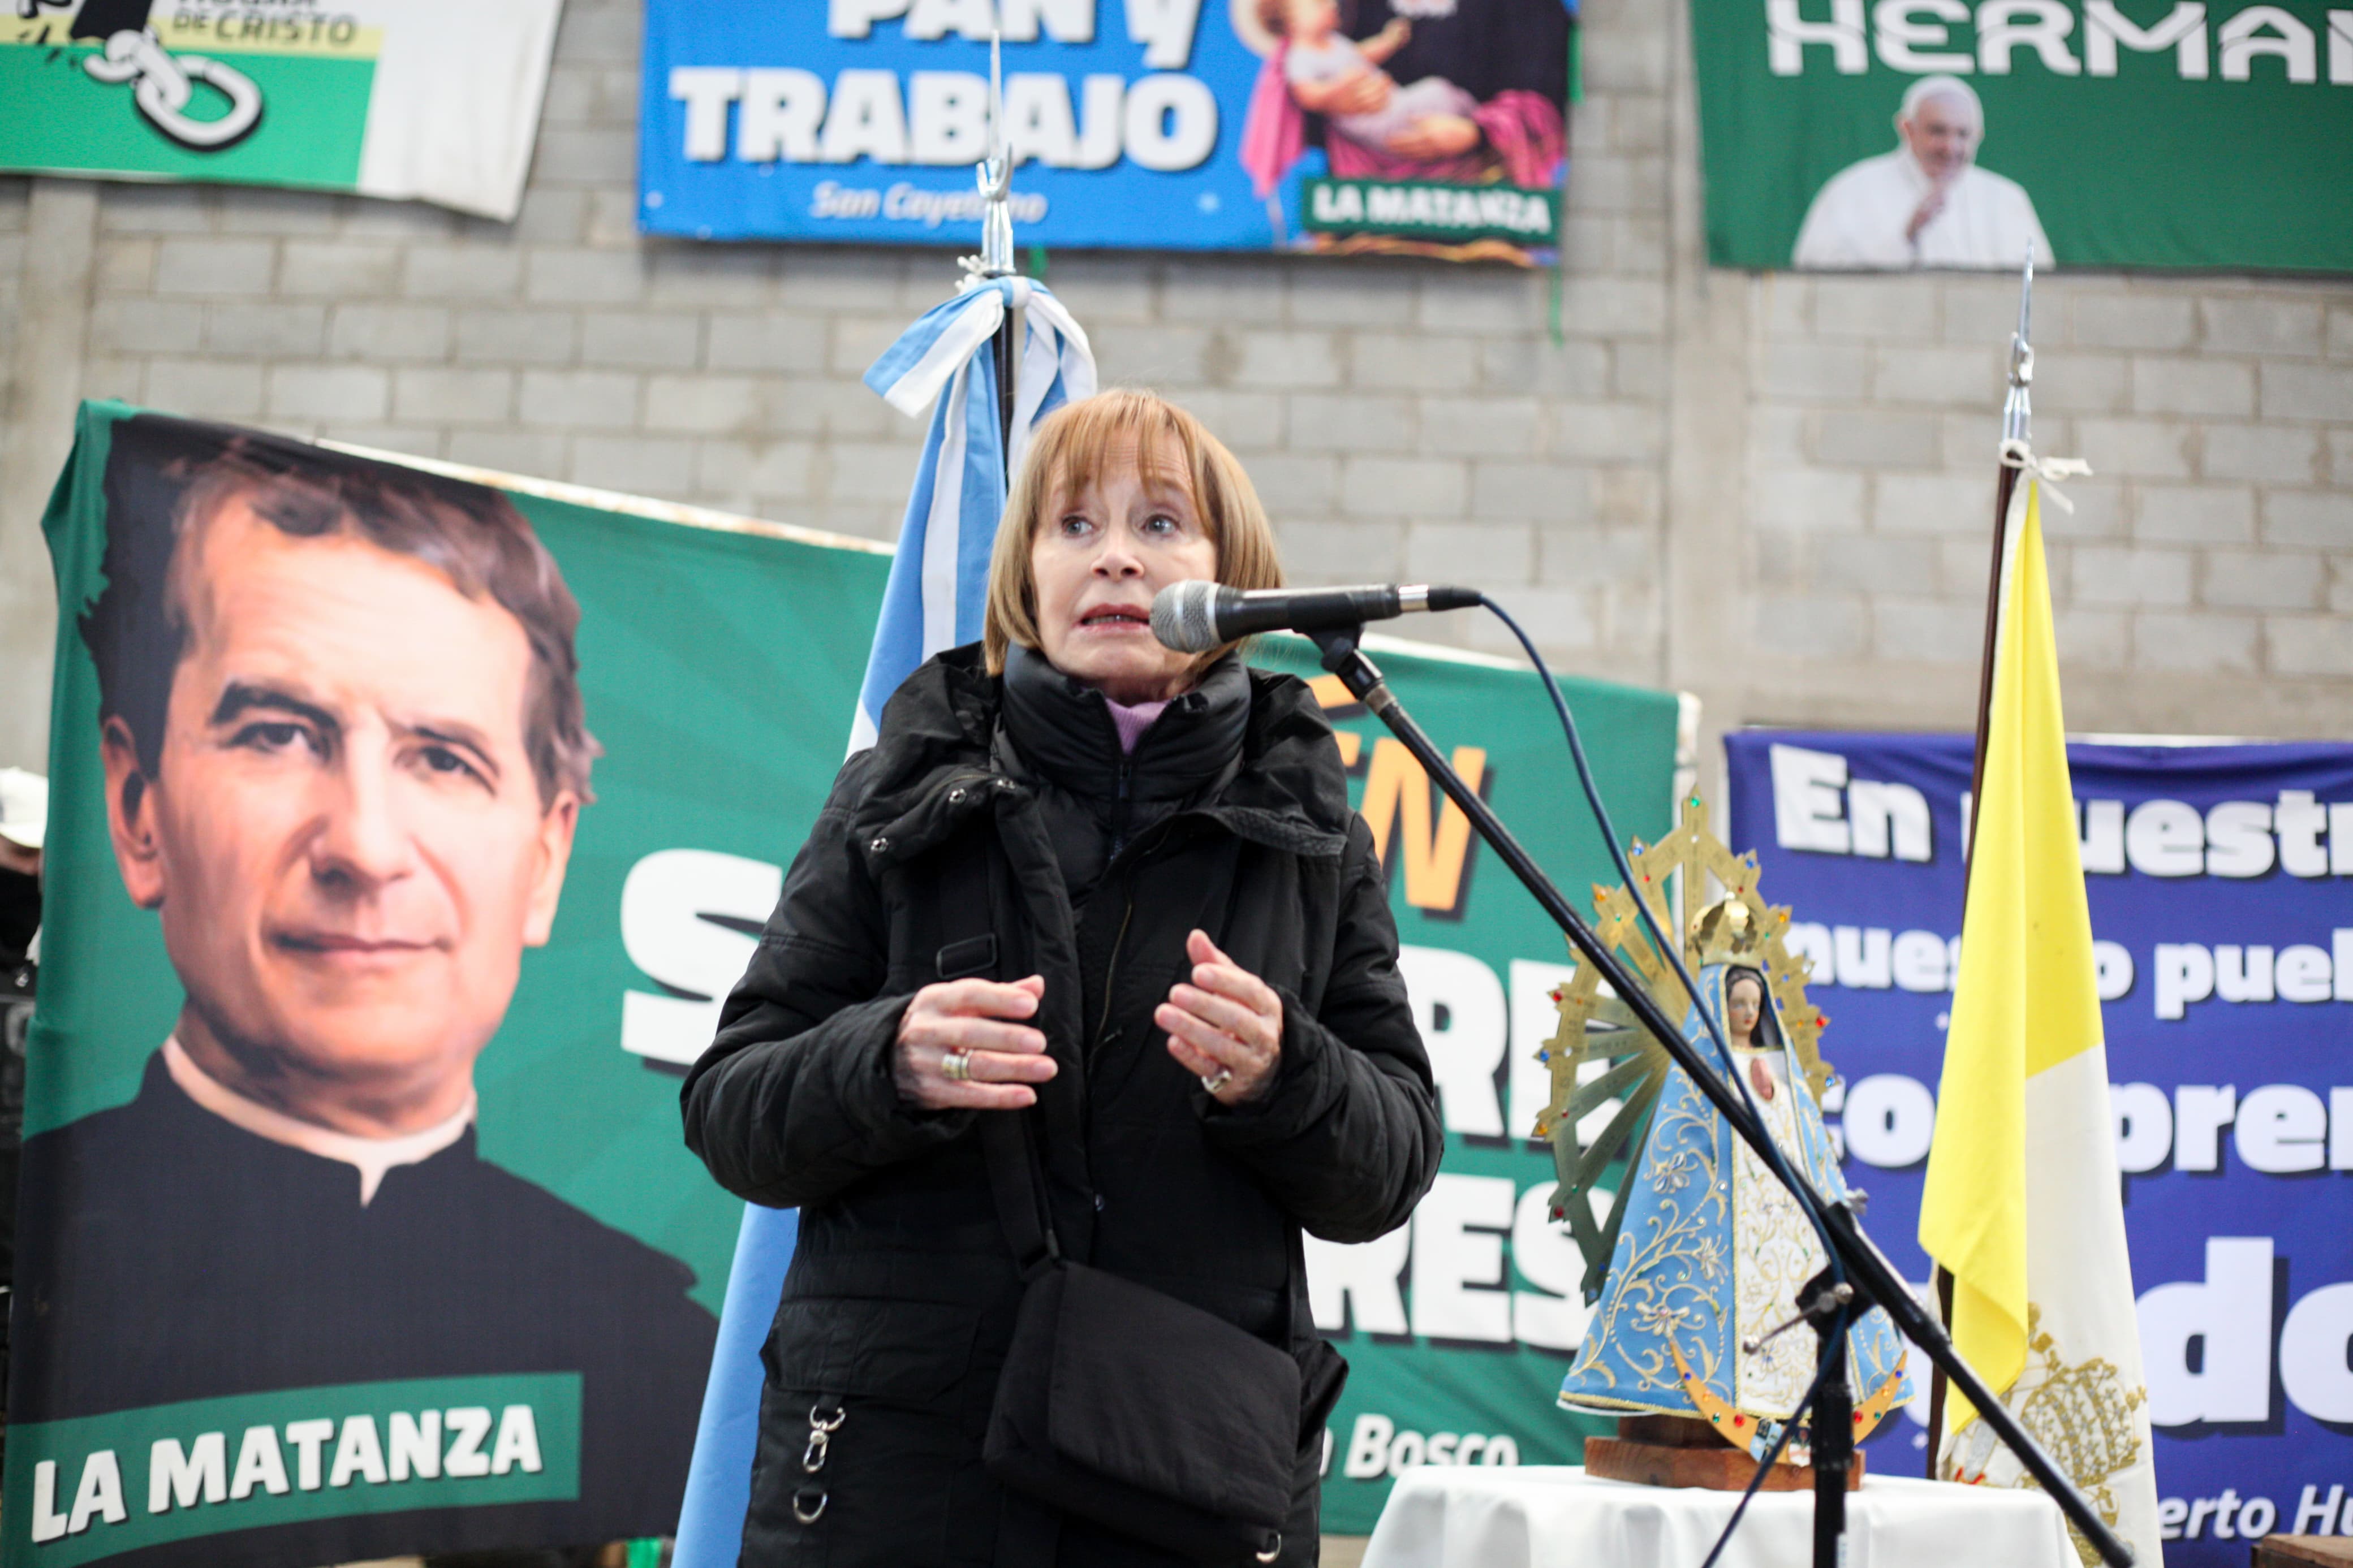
column 965, row 1019
column 1226, row 1027
column 1435, row 136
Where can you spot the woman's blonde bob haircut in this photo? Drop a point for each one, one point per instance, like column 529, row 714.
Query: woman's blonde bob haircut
column 1071, row 451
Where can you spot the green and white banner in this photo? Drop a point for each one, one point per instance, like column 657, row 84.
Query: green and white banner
column 1896, row 134
column 385, row 804
column 407, row 825
column 434, row 100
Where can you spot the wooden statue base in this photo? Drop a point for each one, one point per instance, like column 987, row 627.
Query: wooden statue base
column 1674, row 1451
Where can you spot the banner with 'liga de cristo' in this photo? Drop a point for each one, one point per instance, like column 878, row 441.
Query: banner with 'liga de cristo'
column 1955, row 133
column 1430, row 127
column 407, row 825
column 432, row 100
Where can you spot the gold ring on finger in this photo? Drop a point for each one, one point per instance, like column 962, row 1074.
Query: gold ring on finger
column 956, row 1067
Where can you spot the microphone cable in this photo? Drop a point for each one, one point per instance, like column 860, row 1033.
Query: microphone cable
column 1765, row 1465
column 1801, row 1192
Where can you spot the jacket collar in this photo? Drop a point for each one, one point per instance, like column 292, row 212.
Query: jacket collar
column 1062, row 727
column 932, row 765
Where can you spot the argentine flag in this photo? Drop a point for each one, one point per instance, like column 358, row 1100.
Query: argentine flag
column 940, row 579
column 933, row 600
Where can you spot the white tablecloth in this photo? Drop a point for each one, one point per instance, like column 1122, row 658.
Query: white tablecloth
column 1548, row 1516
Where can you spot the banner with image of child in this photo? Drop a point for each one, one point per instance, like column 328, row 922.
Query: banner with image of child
column 1425, row 127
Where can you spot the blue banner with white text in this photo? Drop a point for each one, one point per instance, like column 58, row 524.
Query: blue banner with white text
column 2220, row 882
column 1425, row 127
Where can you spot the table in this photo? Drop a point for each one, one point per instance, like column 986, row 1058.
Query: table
column 1555, row 1516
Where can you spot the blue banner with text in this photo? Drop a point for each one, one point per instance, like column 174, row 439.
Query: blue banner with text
column 2221, row 883
column 1151, row 124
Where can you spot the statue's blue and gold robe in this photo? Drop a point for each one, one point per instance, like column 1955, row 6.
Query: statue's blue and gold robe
column 1713, row 1251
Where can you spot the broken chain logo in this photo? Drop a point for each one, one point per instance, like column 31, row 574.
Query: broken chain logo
column 163, row 84
column 166, row 86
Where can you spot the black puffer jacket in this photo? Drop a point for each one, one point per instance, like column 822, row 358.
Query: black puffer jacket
column 937, row 855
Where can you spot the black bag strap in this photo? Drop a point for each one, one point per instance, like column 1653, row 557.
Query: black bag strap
column 969, row 896
column 971, row 888
column 1009, row 1144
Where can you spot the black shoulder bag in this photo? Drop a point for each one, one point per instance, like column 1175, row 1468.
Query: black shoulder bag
column 1128, row 1407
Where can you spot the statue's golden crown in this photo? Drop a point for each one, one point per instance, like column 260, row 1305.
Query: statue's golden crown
column 1728, row 932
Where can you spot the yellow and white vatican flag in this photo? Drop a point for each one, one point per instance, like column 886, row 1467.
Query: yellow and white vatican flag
column 2022, row 1203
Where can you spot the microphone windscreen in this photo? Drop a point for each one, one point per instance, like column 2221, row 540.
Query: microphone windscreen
column 1183, row 616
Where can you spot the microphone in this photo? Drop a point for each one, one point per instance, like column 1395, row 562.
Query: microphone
column 1194, row 617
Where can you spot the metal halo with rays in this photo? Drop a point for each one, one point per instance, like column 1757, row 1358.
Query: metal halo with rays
column 1599, row 1055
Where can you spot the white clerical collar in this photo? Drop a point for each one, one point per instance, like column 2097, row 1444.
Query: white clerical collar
column 371, row 1156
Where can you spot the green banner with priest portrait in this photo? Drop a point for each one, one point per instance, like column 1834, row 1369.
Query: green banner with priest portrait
column 407, row 825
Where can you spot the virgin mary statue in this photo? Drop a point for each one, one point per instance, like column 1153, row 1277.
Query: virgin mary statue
column 1704, row 1251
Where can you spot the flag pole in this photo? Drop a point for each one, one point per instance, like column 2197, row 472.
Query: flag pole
column 994, row 174
column 2016, row 425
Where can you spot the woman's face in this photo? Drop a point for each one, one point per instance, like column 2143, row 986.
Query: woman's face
column 1743, row 1002
column 1098, row 558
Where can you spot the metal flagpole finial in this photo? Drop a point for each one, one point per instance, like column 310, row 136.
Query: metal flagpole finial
column 2017, row 408
column 993, row 175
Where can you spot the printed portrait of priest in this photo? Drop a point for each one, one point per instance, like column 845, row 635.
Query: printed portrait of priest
column 344, row 758
column 1928, row 203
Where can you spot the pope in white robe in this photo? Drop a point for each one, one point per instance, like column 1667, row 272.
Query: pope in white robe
column 1927, row 203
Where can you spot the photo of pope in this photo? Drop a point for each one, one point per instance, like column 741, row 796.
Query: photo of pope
column 1927, row 203
column 345, row 755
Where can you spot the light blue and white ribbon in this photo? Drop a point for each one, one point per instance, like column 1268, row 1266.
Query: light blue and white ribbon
column 935, row 600
column 939, row 581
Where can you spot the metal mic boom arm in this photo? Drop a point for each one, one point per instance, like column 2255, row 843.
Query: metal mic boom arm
column 1873, row 1277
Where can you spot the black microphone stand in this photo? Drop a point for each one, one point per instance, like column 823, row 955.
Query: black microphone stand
column 1831, row 1311
column 1872, row 1280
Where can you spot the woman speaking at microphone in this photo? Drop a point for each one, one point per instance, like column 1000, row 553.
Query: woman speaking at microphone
column 1080, row 1005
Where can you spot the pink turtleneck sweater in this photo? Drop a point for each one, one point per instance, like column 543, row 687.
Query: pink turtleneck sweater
column 1132, row 723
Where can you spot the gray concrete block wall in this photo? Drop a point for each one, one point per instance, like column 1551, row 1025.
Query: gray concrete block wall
column 1402, row 419
column 2192, row 580
column 16, row 200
